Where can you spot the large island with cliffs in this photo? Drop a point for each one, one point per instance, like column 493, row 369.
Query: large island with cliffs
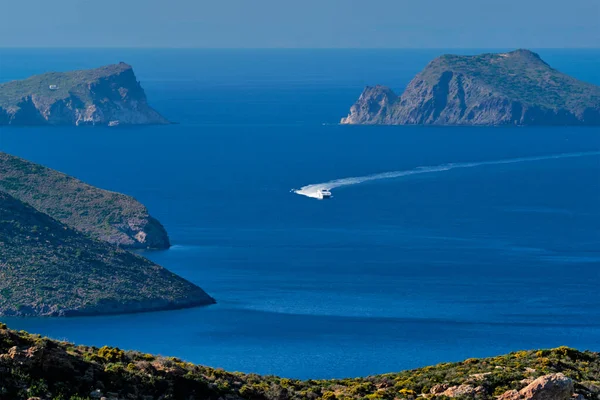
column 110, row 95
column 515, row 88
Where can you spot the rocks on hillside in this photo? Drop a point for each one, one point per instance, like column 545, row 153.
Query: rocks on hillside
column 463, row 391
column 516, row 88
column 548, row 387
column 109, row 95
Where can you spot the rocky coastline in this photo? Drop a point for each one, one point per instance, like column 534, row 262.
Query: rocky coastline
column 508, row 89
column 110, row 95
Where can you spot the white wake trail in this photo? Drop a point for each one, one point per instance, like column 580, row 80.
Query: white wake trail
column 313, row 190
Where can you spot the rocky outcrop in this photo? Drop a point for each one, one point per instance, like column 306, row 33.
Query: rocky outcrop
column 516, row 88
column 375, row 106
column 109, row 95
column 548, row 387
column 104, row 215
column 463, row 391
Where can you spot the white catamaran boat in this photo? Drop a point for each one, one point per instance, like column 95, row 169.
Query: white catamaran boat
column 324, row 194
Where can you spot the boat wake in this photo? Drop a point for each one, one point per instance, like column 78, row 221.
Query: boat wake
column 314, row 190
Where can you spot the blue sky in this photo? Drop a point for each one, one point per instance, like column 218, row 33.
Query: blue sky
column 301, row 23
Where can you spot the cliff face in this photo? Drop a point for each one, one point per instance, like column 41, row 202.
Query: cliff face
column 109, row 216
column 516, row 88
column 109, row 95
column 49, row 269
column 374, row 106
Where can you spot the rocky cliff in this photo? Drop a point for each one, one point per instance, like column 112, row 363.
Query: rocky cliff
column 104, row 215
column 49, row 269
column 516, row 88
column 109, row 95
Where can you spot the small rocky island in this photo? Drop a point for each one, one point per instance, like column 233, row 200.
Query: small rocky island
column 49, row 269
column 108, row 216
column 109, row 95
column 515, row 88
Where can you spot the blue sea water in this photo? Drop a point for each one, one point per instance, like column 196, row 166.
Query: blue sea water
column 391, row 273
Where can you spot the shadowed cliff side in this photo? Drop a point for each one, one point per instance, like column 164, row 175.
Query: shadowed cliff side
column 105, row 215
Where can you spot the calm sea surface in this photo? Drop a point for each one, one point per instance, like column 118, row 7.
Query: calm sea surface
column 392, row 273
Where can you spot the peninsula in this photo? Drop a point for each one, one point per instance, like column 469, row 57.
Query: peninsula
column 515, row 88
column 109, row 95
column 112, row 217
column 49, row 269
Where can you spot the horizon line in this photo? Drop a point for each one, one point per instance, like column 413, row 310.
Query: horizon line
column 286, row 48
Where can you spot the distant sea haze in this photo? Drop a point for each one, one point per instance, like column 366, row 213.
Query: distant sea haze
column 484, row 241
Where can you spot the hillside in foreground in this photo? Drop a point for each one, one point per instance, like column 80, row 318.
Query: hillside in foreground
column 33, row 366
column 49, row 269
column 515, row 88
column 109, row 95
column 109, row 216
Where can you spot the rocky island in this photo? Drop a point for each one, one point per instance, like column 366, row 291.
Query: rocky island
column 109, row 95
column 49, row 269
column 32, row 366
column 515, row 88
column 112, row 217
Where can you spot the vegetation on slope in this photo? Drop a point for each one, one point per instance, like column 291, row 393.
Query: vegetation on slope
column 34, row 366
column 67, row 84
column 520, row 75
column 108, row 216
column 47, row 268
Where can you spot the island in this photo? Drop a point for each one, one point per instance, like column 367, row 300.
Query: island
column 515, row 88
column 32, row 366
column 102, row 214
column 109, row 95
column 49, row 269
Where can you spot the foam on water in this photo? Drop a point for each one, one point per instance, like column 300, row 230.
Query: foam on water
column 313, row 190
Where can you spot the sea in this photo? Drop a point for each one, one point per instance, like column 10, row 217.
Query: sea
column 439, row 244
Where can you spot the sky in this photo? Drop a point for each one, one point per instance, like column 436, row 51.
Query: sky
column 301, row 23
